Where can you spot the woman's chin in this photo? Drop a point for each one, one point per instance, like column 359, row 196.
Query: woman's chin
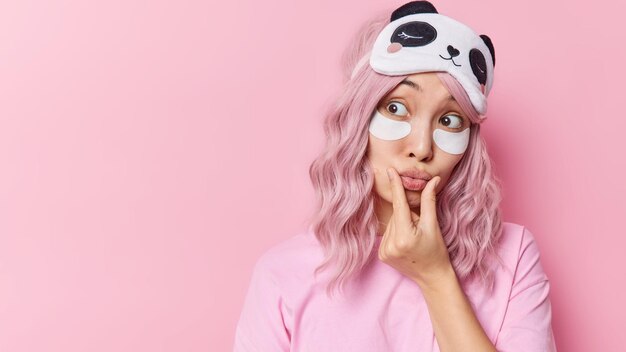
column 414, row 200
column 413, row 194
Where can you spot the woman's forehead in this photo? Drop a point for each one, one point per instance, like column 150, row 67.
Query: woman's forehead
column 422, row 81
column 414, row 85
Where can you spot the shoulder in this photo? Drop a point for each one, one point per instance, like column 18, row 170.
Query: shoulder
column 290, row 258
column 516, row 241
column 520, row 252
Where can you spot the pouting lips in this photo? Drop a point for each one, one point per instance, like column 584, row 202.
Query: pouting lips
column 413, row 184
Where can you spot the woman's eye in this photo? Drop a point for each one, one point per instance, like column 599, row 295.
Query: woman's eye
column 397, row 108
column 452, row 121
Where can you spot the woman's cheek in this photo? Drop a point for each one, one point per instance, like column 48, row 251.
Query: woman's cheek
column 381, row 185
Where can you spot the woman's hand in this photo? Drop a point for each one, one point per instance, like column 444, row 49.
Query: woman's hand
column 412, row 243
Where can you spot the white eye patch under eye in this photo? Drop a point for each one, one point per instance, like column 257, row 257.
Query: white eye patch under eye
column 387, row 129
column 452, row 142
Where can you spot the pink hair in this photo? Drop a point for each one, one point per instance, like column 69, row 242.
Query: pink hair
column 345, row 222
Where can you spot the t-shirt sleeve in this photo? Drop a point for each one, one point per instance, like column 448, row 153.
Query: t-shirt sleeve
column 527, row 324
column 261, row 325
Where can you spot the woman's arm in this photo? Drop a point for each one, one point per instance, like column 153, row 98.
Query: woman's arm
column 413, row 244
column 527, row 322
column 454, row 322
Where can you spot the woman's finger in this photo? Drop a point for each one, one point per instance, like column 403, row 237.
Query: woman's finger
column 428, row 205
column 401, row 210
column 414, row 217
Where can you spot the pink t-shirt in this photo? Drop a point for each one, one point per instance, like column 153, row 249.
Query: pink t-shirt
column 286, row 308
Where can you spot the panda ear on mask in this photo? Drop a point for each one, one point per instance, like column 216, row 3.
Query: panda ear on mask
column 412, row 8
column 489, row 44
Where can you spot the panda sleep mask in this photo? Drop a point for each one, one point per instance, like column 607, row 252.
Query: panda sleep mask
column 419, row 39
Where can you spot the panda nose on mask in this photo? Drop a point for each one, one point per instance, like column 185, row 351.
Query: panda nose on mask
column 453, row 51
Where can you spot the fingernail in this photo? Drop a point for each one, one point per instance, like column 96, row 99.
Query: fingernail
column 437, row 182
column 390, row 174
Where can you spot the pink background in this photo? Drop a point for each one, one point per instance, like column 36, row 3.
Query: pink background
column 152, row 150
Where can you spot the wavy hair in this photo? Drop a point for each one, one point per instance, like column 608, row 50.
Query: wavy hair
column 344, row 221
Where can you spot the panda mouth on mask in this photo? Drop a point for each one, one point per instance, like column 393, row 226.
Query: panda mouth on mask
column 453, row 52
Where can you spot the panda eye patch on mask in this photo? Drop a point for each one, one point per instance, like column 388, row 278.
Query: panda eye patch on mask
column 388, row 129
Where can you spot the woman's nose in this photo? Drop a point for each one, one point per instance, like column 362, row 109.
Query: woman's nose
column 420, row 141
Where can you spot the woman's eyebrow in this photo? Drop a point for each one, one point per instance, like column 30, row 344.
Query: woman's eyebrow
column 411, row 84
column 417, row 87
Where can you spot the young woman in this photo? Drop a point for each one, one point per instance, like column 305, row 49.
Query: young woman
column 407, row 250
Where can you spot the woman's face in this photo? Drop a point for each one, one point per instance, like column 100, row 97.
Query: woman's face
column 419, row 127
